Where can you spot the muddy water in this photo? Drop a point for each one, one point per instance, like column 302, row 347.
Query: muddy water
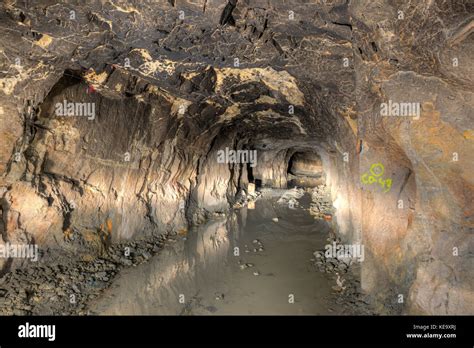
column 199, row 274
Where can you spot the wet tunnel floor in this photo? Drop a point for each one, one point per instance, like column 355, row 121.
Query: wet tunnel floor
column 204, row 274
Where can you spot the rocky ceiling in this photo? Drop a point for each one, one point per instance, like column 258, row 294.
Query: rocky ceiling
column 174, row 81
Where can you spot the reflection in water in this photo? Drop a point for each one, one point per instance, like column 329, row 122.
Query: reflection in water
column 204, row 268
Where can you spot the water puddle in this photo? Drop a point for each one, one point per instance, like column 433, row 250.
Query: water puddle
column 254, row 261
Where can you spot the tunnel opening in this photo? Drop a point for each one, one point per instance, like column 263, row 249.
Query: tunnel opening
column 250, row 176
column 305, row 169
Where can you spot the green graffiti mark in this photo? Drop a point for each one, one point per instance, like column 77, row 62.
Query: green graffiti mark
column 375, row 176
column 377, row 169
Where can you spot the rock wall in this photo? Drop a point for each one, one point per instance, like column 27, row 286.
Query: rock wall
column 419, row 234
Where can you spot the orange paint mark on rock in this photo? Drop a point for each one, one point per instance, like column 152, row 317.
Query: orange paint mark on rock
column 108, row 222
column 468, row 134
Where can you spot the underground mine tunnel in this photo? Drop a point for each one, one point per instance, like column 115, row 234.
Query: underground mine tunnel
column 244, row 157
